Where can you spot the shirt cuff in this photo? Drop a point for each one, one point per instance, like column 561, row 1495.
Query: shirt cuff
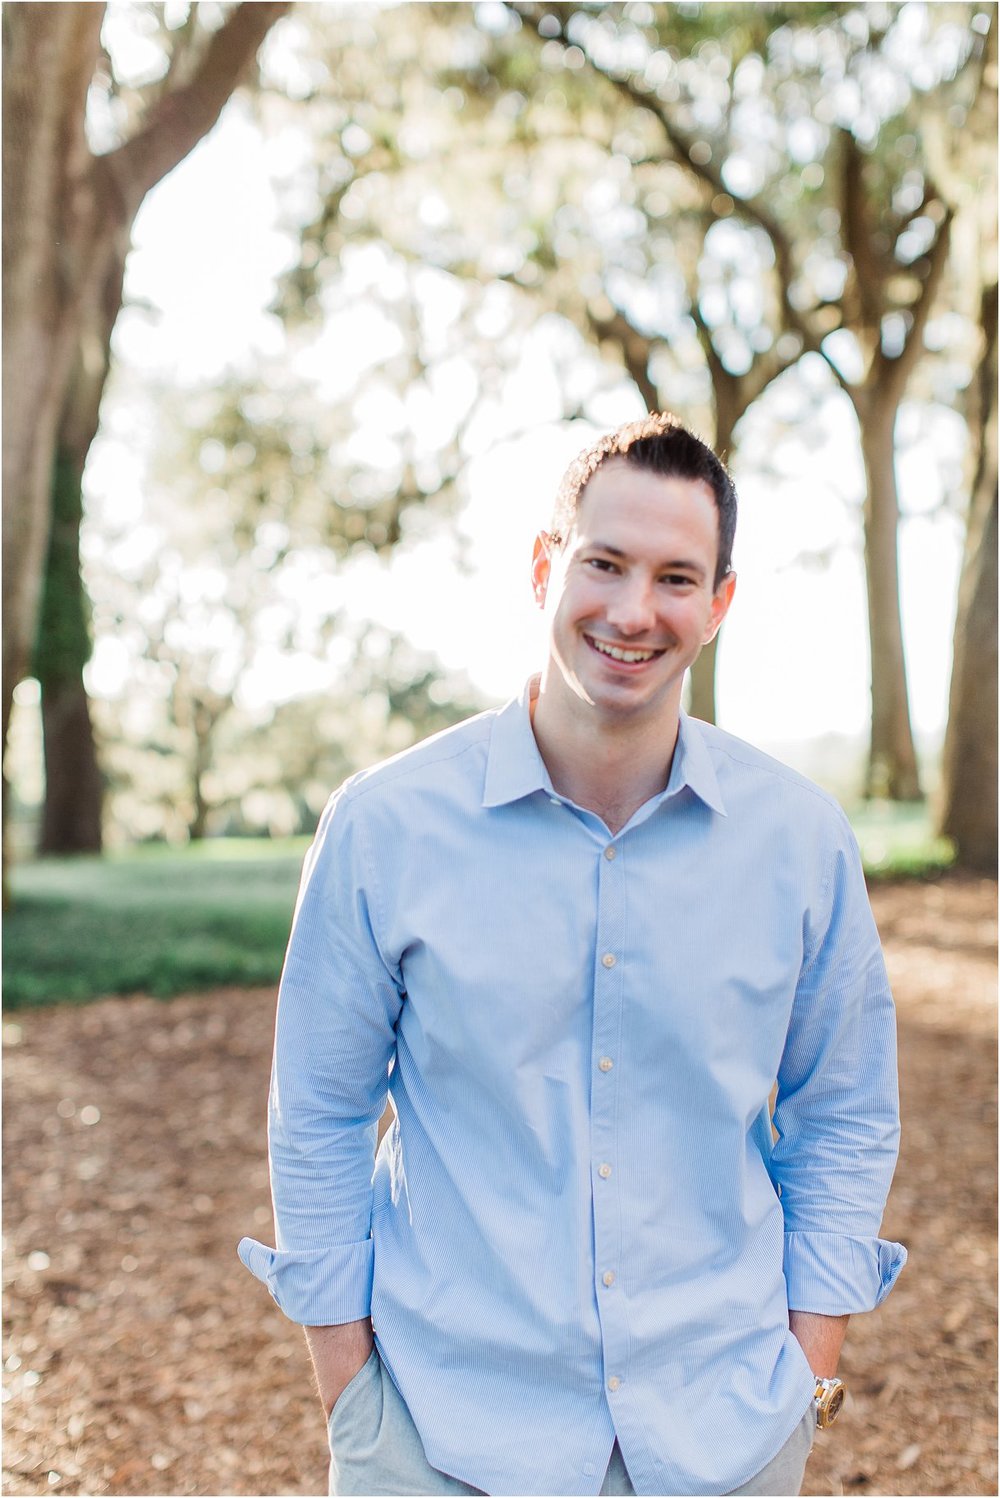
column 831, row 1274
column 315, row 1287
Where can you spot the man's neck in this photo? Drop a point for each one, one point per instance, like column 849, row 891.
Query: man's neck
column 608, row 767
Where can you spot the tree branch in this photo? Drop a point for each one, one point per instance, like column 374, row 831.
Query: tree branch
column 764, row 369
column 716, row 368
column 901, row 367
column 183, row 46
column 751, row 209
column 868, row 272
column 635, row 349
column 182, row 117
column 903, row 221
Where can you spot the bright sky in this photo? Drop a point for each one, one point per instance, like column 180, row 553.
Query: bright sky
column 793, row 657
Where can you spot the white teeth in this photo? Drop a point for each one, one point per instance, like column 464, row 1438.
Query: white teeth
column 628, row 656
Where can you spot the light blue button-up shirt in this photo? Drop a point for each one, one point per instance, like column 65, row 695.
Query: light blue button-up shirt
column 578, row 1225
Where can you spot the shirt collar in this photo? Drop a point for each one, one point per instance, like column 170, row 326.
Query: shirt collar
column 514, row 767
column 693, row 766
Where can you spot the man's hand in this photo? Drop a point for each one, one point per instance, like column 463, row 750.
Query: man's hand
column 820, row 1337
column 338, row 1353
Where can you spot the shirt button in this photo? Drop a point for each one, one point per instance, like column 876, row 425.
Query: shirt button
column 605, row 1063
column 608, row 959
column 604, row 1171
column 614, row 1382
column 609, row 853
column 607, row 1278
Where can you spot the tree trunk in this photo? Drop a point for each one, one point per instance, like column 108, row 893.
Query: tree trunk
column 730, row 402
column 66, row 212
column 968, row 802
column 892, row 761
column 702, row 677
column 71, row 820
column 49, row 232
column 74, row 788
column 203, row 723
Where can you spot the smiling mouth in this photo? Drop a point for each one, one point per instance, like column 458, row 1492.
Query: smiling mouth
column 626, row 655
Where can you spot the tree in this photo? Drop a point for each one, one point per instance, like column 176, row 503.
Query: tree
column 223, row 598
column 857, row 290
column 600, row 165
column 967, row 804
column 968, row 810
column 734, row 390
column 185, row 761
column 69, row 213
column 74, row 786
column 510, row 194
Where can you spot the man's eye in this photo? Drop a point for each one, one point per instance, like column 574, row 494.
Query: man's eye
column 601, row 564
column 678, row 580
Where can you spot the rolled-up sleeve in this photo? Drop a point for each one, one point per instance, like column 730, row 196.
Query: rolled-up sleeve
column 837, row 1109
column 338, row 1003
column 824, row 1270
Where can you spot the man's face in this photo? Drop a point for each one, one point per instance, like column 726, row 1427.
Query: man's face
column 631, row 597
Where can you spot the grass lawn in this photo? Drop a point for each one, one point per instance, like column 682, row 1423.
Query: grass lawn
column 897, row 842
column 157, row 920
column 165, row 921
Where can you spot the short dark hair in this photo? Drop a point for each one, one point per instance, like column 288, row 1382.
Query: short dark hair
column 661, row 444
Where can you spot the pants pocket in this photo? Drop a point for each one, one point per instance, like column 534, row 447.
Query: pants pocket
column 375, row 1448
column 353, row 1391
column 784, row 1473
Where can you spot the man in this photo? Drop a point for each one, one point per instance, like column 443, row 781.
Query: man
column 579, row 939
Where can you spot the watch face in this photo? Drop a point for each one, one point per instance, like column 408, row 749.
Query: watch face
column 835, row 1405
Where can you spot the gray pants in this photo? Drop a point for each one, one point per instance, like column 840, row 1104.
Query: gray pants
column 375, row 1448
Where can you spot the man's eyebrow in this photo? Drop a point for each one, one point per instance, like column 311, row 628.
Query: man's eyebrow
column 677, row 564
column 683, row 565
column 605, row 546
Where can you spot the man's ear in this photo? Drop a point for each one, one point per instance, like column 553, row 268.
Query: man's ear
column 721, row 600
column 541, row 567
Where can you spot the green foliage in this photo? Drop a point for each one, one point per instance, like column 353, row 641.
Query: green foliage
column 63, row 646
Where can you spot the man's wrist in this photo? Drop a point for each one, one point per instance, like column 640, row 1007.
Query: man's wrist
column 821, row 1338
column 338, row 1355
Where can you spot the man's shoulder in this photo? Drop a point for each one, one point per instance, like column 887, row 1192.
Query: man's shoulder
column 444, row 757
column 742, row 767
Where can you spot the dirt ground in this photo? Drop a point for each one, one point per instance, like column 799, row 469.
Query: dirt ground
column 141, row 1358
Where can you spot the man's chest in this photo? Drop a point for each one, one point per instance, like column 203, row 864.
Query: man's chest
column 537, row 957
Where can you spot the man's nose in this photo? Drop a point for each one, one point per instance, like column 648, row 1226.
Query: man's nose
column 632, row 609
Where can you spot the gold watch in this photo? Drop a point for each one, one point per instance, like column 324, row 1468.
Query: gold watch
column 829, row 1400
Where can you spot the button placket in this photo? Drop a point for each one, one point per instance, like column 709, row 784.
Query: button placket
column 610, row 969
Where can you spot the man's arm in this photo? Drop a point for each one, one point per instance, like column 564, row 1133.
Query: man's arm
column 334, row 1042
column 836, row 1116
column 821, row 1338
column 338, row 1353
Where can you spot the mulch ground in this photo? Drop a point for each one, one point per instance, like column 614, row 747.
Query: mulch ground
column 141, row 1358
